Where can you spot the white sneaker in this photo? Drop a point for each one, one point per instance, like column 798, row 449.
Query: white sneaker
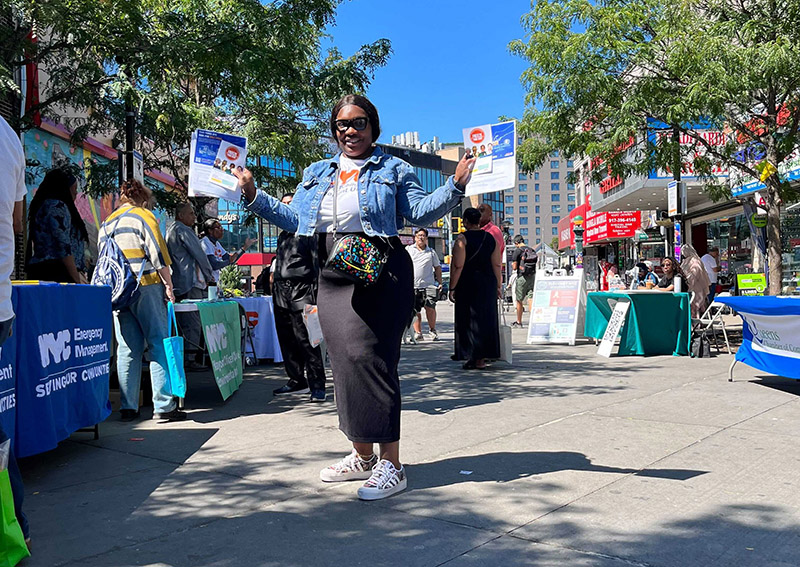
column 434, row 335
column 385, row 481
column 352, row 467
column 419, row 337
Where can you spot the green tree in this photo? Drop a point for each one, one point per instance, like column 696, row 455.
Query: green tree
column 554, row 243
column 599, row 70
column 245, row 66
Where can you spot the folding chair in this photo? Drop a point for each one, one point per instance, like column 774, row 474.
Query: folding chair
column 710, row 321
column 247, row 336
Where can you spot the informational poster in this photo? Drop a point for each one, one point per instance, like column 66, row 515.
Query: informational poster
column 615, row 323
column 222, row 331
column 557, row 308
column 751, row 284
column 213, row 159
column 495, row 147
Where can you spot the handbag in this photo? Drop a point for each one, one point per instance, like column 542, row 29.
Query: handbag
column 356, row 259
column 173, row 347
column 12, row 542
column 353, row 256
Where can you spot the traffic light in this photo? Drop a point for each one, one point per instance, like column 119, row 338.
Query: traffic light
column 440, row 223
column 456, row 226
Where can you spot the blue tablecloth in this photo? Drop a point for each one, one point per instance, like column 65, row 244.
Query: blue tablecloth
column 771, row 333
column 62, row 345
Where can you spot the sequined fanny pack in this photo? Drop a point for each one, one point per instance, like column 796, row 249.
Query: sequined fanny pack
column 356, row 259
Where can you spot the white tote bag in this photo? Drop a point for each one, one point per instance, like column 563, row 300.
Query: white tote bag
column 505, row 336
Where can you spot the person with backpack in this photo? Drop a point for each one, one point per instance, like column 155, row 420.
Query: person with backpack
column 523, row 262
column 140, row 310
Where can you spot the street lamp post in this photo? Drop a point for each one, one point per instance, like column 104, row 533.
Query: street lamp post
column 578, row 230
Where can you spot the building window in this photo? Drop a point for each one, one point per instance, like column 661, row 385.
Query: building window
column 555, row 198
column 536, row 198
column 538, row 220
column 554, row 220
column 523, row 210
column 569, row 163
column 509, row 198
column 571, row 197
column 510, row 220
column 555, row 187
column 555, row 164
column 555, row 208
column 523, row 176
column 554, row 154
column 554, row 175
column 536, row 187
column 509, row 210
column 538, row 240
column 555, row 231
column 523, row 187
column 523, row 231
column 570, row 207
column 523, row 198
column 511, row 232
column 523, row 220
column 536, row 176
column 570, row 187
column 537, row 209
column 538, row 232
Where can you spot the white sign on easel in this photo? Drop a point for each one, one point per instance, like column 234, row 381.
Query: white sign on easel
column 557, row 308
column 615, row 323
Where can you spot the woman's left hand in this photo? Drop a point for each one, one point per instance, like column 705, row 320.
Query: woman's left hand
column 464, row 169
column 452, row 296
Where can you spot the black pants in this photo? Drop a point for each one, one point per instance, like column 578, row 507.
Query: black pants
column 303, row 363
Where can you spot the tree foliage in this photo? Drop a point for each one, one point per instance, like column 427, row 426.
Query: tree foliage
column 245, row 66
column 600, row 70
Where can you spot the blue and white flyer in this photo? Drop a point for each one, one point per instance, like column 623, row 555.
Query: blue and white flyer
column 214, row 157
column 495, row 146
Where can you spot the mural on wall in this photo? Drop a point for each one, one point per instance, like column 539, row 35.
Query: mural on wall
column 49, row 151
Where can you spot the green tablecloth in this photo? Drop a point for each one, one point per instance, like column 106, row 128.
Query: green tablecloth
column 656, row 322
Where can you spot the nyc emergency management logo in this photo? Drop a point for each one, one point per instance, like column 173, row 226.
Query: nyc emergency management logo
column 54, row 347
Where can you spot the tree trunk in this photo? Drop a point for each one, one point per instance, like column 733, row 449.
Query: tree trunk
column 774, row 256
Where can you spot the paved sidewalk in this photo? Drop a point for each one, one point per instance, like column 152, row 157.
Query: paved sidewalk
column 566, row 458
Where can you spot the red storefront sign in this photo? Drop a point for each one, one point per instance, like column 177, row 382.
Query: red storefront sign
column 611, row 225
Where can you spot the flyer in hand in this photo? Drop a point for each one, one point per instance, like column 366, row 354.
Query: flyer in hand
column 213, row 159
column 494, row 146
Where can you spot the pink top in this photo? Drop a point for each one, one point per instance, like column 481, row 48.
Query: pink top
column 495, row 231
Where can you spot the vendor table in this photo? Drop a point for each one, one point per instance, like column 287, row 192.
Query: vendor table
column 770, row 333
column 261, row 318
column 54, row 369
column 657, row 322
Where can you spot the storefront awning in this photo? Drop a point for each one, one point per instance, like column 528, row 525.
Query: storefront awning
column 255, row 259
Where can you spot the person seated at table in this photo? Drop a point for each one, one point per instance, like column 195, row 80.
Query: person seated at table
column 218, row 257
column 57, row 237
column 671, row 269
column 643, row 276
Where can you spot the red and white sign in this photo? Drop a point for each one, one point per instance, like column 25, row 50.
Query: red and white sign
column 477, row 136
column 232, row 153
column 611, row 225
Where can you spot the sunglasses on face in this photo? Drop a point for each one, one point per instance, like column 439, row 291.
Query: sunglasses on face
column 358, row 124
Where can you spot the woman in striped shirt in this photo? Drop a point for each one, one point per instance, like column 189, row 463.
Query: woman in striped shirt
column 135, row 230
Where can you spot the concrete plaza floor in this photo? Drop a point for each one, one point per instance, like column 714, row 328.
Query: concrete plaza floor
column 564, row 458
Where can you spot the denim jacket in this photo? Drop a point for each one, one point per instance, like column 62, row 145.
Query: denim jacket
column 389, row 191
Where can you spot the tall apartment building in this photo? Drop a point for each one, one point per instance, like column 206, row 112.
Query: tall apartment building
column 539, row 200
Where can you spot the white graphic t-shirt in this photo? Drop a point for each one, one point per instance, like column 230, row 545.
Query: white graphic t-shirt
column 213, row 249
column 346, row 187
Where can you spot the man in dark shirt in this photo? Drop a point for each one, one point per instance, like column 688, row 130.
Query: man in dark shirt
column 523, row 262
column 295, row 286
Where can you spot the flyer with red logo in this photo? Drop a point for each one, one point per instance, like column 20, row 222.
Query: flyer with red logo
column 214, row 158
column 495, row 147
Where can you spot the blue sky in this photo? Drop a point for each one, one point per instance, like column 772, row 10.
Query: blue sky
column 450, row 69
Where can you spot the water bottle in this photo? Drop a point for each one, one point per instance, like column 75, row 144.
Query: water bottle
column 678, row 283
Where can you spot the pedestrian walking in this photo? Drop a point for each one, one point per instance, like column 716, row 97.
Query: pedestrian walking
column 365, row 194
column 294, row 287
column 523, row 262
column 427, row 283
column 144, row 322
column 475, row 286
column 191, row 275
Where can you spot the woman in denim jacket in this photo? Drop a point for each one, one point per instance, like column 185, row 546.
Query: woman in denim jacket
column 374, row 194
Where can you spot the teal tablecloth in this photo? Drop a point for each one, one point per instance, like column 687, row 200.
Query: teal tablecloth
column 656, row 322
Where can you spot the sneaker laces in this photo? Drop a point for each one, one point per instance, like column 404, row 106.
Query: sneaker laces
column 382, row 474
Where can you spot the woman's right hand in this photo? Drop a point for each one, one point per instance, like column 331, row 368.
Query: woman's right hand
column 247, row 184
column 464, row 169
column 452, row 296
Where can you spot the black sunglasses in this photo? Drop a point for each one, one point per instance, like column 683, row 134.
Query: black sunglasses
column 357, row 123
